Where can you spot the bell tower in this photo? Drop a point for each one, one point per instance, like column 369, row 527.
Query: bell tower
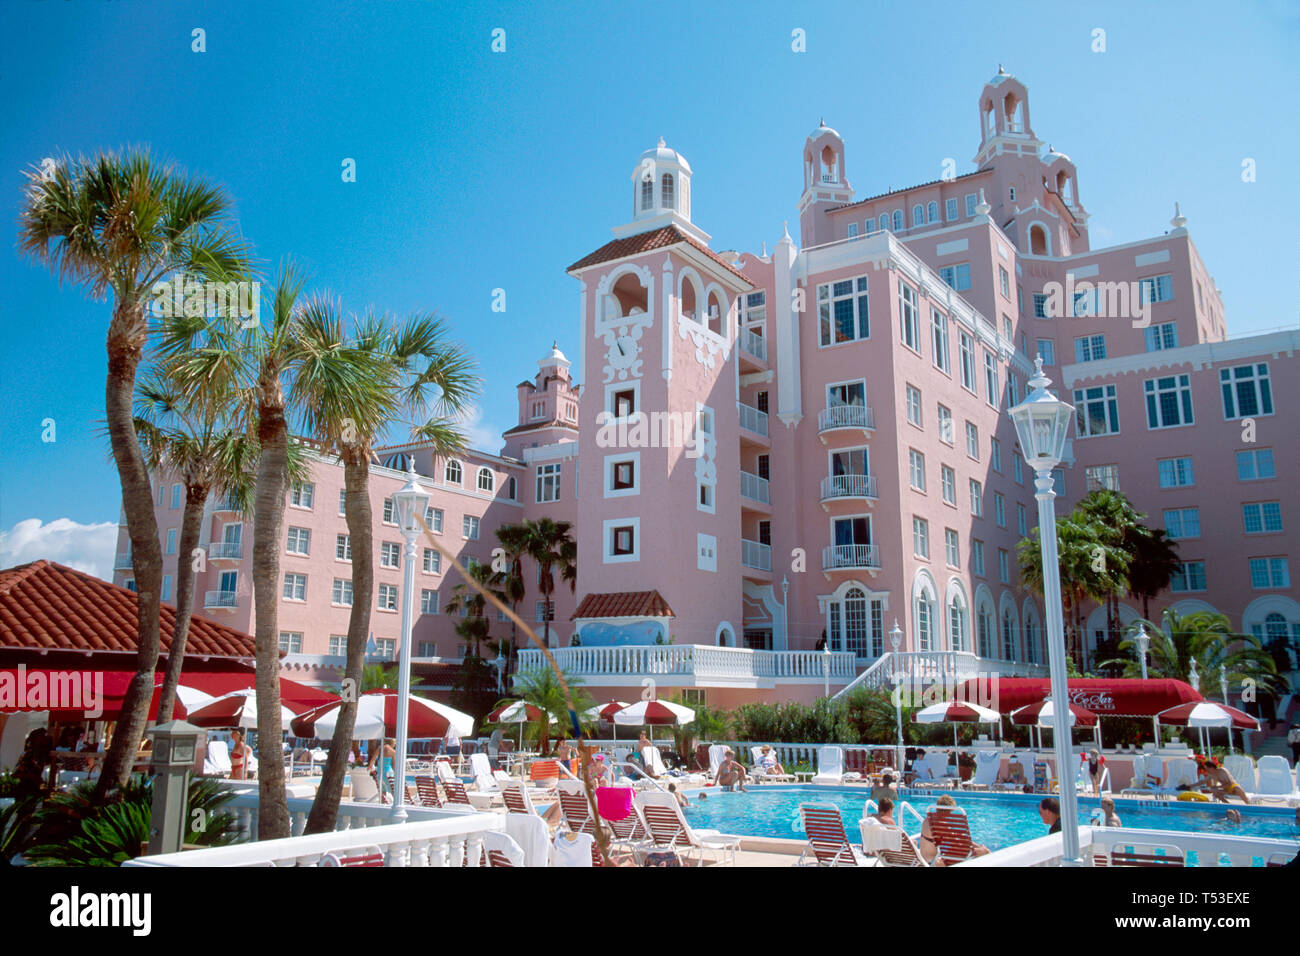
column 825, row 184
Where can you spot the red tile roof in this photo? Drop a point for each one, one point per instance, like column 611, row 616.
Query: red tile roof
column 623, row 604
column 649, row 241
column 47, row 606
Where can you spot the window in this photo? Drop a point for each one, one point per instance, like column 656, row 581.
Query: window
column 939, row 334
column 918, row 215
column 511, row 488
column 385, row 648
column 916, row 462
column 1190, row 576
column 1008, row 636
column 1004, row 566
column 999, row 509
column 1031, row 640
column 291, row 642
column 388, row 597
column 950, row 209
column 1169, row 401
column 952, row 548
column 925, row 610
column 765, row 532
column 972, row 200
column 931, row 211
column 945, row 425
column 390, row 555
column 1262, row 517
column 548, row 482
column 752, row 309
column 842, row 309
column 948, row 481
column 1090, row 348
column 486, row 481
column 977, row 556
column 343, row 547
column 338, row 645
column 1096, row 411
column 967, row 347
column 388, row 511
column 972, row 441
column 469, row 527
column 706, row 497
column 1162, row 336
column 1018, row 469
column 898, row 220
column 622, row 475
column 1040, row 305
column 1175, row 472
column 909, row 317
column 343, row 501
column 995, row 454
column 920, row 537
column 957, row 276
column 341, row 593
column 171, row 540
column 914, row 405
column 432, row 561
column 957, row 624
column 544, row 611
column 1097, row 477
column 433, row 518
column 623, row 402
column 1022, row 523
column 1255, row 465
column 1270, row 573
column 1183, row 522
column 301, row 494
column 1004, row 283
column 295, row 587
column 176, row 497
column 428, row 605
column 1011, row 193
column 299, row 541
column 853, row 230
column 976, row 498
column 166, row 593
column 765, row 467
column 647, row 192
column 426, row 649
column 1047, row 350
column 1246, row 391
column 1155, row 289
column 162, row 494
column 451, row 473
column 623, row 540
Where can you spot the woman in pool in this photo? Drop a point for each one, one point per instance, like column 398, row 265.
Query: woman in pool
column 929, row 845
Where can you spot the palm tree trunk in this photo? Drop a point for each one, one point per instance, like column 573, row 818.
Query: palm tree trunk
column 356, row 505
column 191, row 526
column 268, row 523
column 126, row 337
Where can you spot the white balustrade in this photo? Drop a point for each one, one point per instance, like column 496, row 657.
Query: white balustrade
column 752, row 419
column 850, row 556
column 220, row 599
column 755, row 554
column 754, row 488
column 848, row 486
column 122, row 562
column 699, row 661
column 846, row 416
column 753, row 343
column 1199, row 849
column 225, row 550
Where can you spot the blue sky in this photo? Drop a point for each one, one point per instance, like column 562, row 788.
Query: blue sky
column 479, row 170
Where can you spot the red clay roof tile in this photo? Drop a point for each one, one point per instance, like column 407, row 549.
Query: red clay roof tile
column 623, row 604
column 647, row 241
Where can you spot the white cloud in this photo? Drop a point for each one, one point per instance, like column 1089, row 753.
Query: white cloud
column 479, row 435
column 86, row 547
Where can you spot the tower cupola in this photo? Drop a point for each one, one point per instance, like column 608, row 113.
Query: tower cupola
column 661, row 184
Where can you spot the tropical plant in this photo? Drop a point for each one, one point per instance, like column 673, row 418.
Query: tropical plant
column 514, row 547
column 474, row 626
column 121, row 223
column 1154, row 562
column 552, row 547
column 16, row 826
column 541, row 687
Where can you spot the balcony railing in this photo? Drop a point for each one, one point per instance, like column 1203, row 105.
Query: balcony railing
column 850, row 556
column 846, row 416
column 754, row 488
column 848, row 486
column 753, row 343
column 755, row 554
column 752, row 419
column 952, row 666
column 225, row 550
column 628, row 664
column 123, row 562
column 225, row 503
column 219, row 599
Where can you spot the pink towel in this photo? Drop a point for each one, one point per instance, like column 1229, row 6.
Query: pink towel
column 614, row 803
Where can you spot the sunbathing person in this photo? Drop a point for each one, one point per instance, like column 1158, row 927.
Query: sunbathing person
column 1220, row 784
column 767, row 762
column 929, row 847
column 731, row 773
column 1014, row 773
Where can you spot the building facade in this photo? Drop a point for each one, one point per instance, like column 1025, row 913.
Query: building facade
column 772, row 458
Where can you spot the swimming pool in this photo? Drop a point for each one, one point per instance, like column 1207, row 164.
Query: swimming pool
column 996, row 820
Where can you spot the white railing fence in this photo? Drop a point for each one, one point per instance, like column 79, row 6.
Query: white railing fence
column 755, row 554
column 698, row 661
column 218, row 550
column 846, row 416
column 848, row 486
column 752, row 419
column 753, row 343
column 1198, row 849
column 754, row 488
column 850, row 556
column 937, row 665
column 220, row 599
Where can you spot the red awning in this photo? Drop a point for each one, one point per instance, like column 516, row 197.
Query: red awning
column 1105, row 697
column 297, row 697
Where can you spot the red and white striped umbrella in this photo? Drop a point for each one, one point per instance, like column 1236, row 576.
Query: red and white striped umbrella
column 604, row 711
column 516, row 712
column 377, row 717
column 955, row 712
column 236, row 709
column 1206, row 713
column 654, row 712
column 1042, row 714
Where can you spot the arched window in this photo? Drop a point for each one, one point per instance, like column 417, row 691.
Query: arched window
column 923, row 613
column 690, row 300
column 666, row 191
column 958, row 625
column 1275, row 627
column 1008, row 636
column 1031, row 640
column 984, row 621
column 918, row 215
column 1037, row 240
column 485, row 480
column 510, row 488
column 932, row 211
column 647, row 191
column 451, row 474
column 898, row 220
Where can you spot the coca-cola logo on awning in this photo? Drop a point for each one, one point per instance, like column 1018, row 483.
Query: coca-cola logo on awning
column 1094, row 700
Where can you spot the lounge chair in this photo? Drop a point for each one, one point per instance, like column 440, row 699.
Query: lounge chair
column 951, row 834
column 668, row 829
column 906, row 855
column 515, row 795
column 574, row 807
column 830, row 765
column 1242, row 769
column 1148, row 776
column 1026, row 762
column 759, row 772
column 427, row 790
column 987, row 765
column 716, row 753
column 456, row 792
column 544, row 774
column 932, row 771
column 700, row 763
column 366, row 856
column 485, row 778
column 1179, row 772
column 500, row 850
column 217, row 761
column 364, row 788
column 631, row 831
column 1083, row 779
column 828, row 844
column 1275, row 780
column 653, row 762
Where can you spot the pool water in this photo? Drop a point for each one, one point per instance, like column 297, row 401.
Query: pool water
column 996, row 820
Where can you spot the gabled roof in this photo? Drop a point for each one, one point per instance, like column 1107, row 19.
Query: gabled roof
column 661, row 238
column 623, row 604
column 51, row 607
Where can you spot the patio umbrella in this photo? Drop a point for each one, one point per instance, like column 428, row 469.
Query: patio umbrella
column 517, row 712
column 956, row 712
column 1206, row 713
column 652, row 712
column 377, row 717
column 1040, row 715
column 236, row 709
column 605, row 712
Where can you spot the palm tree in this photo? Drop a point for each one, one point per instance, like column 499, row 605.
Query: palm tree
column 121, row 223
column 551, row 545
column 541, row 687
column 1118, row 524
column 1154, row 562
column 474, row 626
column 514, row 545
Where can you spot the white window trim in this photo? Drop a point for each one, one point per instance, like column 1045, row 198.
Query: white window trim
column 607, row 544
column 610, row 461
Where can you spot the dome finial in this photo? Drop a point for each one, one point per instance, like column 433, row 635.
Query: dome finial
column 1001, row 72
column 1179, row 220
column 822, row 124
column 983, row 209
column 662, row 144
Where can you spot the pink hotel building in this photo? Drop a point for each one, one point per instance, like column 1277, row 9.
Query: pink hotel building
column 768, row 450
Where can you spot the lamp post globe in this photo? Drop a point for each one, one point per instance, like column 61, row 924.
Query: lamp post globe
column 1042, row 424
column 409, row 503
column 1143, row 640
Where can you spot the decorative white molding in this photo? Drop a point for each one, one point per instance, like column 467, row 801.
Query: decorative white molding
column 1201, row 356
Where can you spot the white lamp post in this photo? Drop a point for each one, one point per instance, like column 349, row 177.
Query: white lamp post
column 826, row 665
column 408, row 502
column 785, row 610
column 1143, row 642
column 1042, row 422
column 896, row 639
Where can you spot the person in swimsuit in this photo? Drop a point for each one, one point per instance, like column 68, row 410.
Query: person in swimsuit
column 238, row 755
column 1096, row 764
column 1220, row 784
